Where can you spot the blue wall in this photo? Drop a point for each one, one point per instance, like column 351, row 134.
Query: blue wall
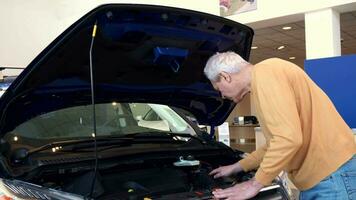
column 337, row 77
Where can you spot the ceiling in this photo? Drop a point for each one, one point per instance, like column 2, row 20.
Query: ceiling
column 267, row 40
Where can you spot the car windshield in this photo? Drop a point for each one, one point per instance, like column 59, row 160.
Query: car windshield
column 112, row 119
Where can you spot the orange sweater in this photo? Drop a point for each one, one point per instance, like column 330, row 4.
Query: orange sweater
column 305, row 134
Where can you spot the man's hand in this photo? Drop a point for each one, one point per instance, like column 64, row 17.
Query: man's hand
column 245, row 190
column 226, row 170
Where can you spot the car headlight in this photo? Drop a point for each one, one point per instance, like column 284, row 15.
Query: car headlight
column 15, row 189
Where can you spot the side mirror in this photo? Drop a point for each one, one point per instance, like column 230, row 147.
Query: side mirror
column 206, row 136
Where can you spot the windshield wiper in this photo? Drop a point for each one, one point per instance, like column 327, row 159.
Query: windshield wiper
column 20, row 154
column 174, row 136
column 109, row 142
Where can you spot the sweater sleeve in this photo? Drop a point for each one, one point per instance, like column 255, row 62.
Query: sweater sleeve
column 277, row 110
column 253, row 160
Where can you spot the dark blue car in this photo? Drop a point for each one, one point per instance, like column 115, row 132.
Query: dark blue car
column 103, row 112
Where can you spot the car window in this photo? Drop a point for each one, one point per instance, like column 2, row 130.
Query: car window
column 151, row 116
column 111, row 119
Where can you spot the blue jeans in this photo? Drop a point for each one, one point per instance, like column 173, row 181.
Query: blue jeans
column 340, row 185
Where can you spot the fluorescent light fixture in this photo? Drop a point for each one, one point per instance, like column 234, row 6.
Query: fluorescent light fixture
column 286, row 28
column 292, row 58
column 281, row 47
column 254, row 47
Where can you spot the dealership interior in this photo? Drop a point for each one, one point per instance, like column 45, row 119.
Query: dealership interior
column 317, row 36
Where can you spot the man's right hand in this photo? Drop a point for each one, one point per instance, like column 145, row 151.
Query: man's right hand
column 227, row 170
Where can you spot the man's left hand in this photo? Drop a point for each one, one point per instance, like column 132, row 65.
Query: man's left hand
column 240, row 191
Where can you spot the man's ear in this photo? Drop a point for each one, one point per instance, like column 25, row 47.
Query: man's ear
column 226, row 76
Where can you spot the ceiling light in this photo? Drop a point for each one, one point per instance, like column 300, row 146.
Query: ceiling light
column 291, row 58
column 16, row 138
column 254, row 47
column 286, row 28
column 281, row 47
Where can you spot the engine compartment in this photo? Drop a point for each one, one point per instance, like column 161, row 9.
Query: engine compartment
column 151, row 178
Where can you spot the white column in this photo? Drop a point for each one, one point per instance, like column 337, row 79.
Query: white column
column 322, row 34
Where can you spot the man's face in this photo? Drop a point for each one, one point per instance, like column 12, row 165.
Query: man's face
column 228, row 88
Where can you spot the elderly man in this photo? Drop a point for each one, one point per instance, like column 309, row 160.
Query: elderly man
column 305, row 134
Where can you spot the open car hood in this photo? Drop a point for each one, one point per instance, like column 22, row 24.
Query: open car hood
column 140, row 53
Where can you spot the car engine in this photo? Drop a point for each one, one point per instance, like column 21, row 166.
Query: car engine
column 180, row 178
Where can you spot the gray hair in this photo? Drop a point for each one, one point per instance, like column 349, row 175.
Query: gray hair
column 229, row 62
